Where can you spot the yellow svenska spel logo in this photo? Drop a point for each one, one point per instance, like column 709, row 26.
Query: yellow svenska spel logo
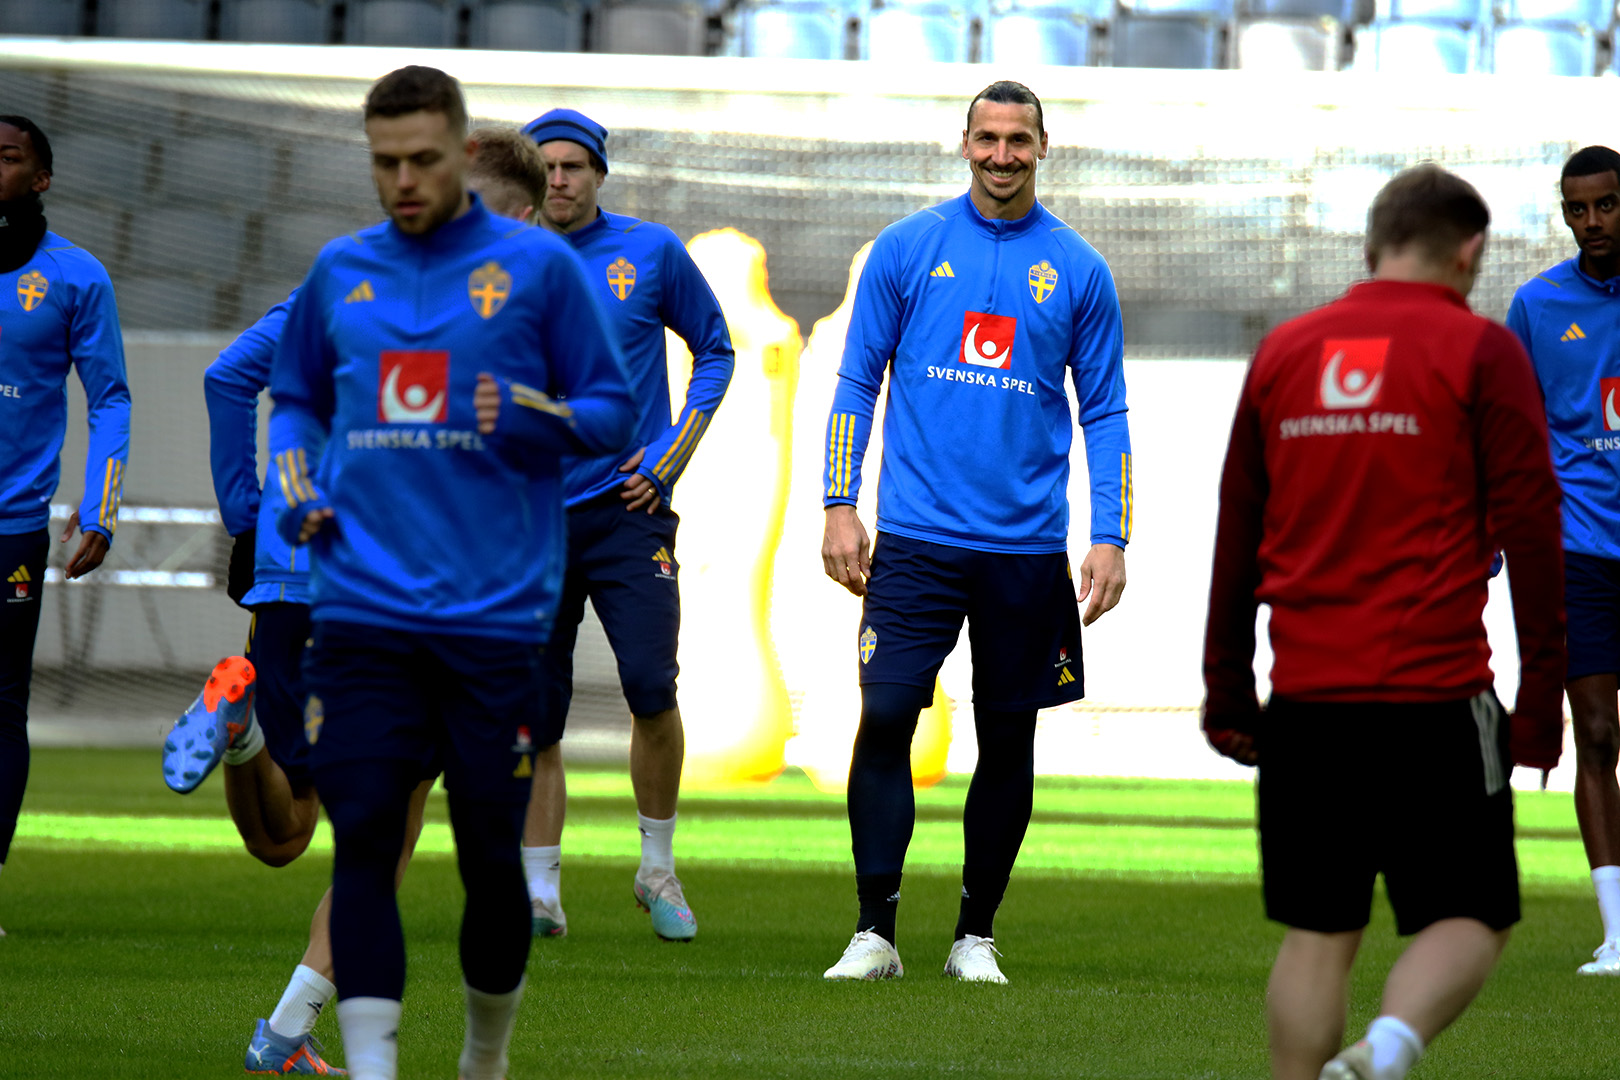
column 31, row 289
column 488, row 287
column 1042, row 280
column 621, row 277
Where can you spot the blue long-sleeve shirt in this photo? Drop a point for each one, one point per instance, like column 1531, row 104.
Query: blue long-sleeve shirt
column 648, row 281
column 57, row 312
column 1569, row 323
column 231, row 386
column 977, row 322
column 436, row 527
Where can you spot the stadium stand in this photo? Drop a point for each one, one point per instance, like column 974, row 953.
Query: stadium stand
column 430, row 24
column 652, row 27
column 1169, row 41
column 791, row 30
column 294, row 22
column 1287, row 44
column 1418, row 48
column 1543, row 49
column 539, row 25
column 1042, row 35
column 169, row 20
column 63, row 19
column 922, row 33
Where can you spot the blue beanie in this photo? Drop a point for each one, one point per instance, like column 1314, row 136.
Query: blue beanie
column 573, row 126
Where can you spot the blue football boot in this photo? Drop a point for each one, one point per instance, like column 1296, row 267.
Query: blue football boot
column 660, row 896
column 269, row 1053
column 221, row 712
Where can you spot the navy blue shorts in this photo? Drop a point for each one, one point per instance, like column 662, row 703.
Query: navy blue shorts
column 461, row 702
column 1592, row 608
column 276, row 639
column 623, row 561
column 1023, row 621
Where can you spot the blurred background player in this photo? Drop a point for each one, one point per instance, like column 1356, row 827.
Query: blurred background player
column 56, row 313
column 1385, row 447
column 621, row 528
column 1569, row 321
column 268, row 787
column 445, row 360
column 973, row 512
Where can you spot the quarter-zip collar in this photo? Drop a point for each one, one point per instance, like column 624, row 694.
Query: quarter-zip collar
column 998, row 228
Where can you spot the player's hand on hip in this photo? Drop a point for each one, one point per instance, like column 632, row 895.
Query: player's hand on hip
column 92, row 549
column 846, row 550
column 487, row 402
column 1102, row 577
column 314, row 521
column 639, row 490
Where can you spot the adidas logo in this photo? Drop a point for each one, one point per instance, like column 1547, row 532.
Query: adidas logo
column 942, row 270
column 21, row 576
column 360, row 292
column 1574, row 333
column 1065, row 677
column 663, row 555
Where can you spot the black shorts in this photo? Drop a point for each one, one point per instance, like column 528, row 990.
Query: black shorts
column 1023, row 621
column 275, row 647
column 623, row 561
column 1592, row 607
column 463, row 703
column 1417, row 792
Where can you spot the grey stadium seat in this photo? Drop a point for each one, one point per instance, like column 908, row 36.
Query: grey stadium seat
column 429, row 24
column 1418, row 48
column 538, row 25
column 64, row 18
column 1215, row 9
column 163, row 20
column 1155, row 41
column 1528, row 49
column 1039, row 36
column 1597, row 14
column 293, row 22
column 1287, row 45
column 1343, row 11
column 792, row 30
column 1469, row 11
column 652, row 28
column 906, row 35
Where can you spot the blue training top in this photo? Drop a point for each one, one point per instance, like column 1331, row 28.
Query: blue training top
column 437, row 527
column 977, row 321
column 232, row 385
column 1569, row 323
column 648, row 281
column 57, row 312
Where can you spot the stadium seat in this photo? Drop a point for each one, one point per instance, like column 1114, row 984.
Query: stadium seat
column 1463, row 11
column 62, row 19
column 1152, row 41
column 1597, row 14
column 1287, row 45
column 97, row 164
column 540, row 25
column 1040, row 36
column 1341, row 11
column 426, row 23
column 204, row 244
column 1215, row 9
column 209, row 169
column 293, row 22
column 799, row 31
column 1095, row 10
column 1528, row 49
column 159, row 20
column 1418, row 48
column 649, row 27
column 916, row 34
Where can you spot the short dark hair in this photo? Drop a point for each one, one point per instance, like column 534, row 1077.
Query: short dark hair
column 507, row 156
column 1007, row 92
column 42, row 145
column 1427, row 206
column 418, row 89
column 1590, row 161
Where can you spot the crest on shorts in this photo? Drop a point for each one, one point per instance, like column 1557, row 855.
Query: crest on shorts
column 31, row 289
column 1042, row 280
column 868, row 644
column 524, row 747
column 314, row 717
column 666, row 563
column 488, row 287
column 621, row 277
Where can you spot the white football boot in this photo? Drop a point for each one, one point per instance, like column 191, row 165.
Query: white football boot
column 868, row 956
column 1605, row 959
column 1351, row 1063
column 973, row 959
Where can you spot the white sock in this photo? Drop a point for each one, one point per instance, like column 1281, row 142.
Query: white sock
column 490, row 1019
column 657, row 843
column 245, row 745
column 306, row 995
column 1606, row 880
column 542, row 866
column 1395, row 1048
column 370, row 1037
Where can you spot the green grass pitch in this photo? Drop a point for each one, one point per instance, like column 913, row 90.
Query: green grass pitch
column 144, row 942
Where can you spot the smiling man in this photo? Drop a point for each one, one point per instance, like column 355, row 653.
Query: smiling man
column 1568, row 318
column 978, row 310
column 430, row 376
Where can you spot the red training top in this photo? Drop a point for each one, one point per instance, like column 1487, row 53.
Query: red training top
column 1385, row 447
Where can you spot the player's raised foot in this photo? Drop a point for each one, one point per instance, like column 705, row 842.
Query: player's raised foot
column 270, row 1053
column 973, row 959
column 546, row 921
column 1351, row 1063
column 659, row 895
column 200, row 737
column 867, row 956
column 1605, row 960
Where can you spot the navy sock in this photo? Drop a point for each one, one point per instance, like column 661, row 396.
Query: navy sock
column 996, row 816
column 366, row 802
column 882, row 807
column 495, row 927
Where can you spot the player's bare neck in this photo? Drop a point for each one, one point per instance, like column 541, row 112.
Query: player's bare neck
column 1600, row 269
column 996, row 210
